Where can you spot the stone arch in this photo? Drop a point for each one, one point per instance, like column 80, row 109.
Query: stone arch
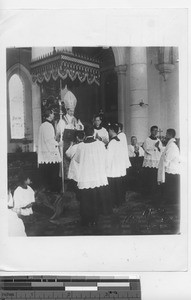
column 120, row 55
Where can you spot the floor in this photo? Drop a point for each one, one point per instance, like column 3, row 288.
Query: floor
column 137, row 216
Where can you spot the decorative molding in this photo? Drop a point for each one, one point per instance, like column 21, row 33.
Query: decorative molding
column 60, row 64
column 16, row 69
column 121, row 69
column 165, row 69
column 167, row 56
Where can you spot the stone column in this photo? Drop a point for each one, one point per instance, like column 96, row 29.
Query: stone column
column 36, row 113
column 172, row 99
column 36, row 97
column 138, row 93
column 121, row 73
column 169, row 69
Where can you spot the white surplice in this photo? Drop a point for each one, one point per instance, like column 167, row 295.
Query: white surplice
column 73, row 172
column 48, row 151
column 169, row 161
column 92, row 165
column 152, row 154
column 116, row 159
column 22, row 197
column 15, row 224
column 102, row 133
column 123, row 140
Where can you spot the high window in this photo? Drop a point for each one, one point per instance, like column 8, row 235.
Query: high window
column 16, row 104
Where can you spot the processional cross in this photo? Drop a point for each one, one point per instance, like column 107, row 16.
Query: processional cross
column 61, row 139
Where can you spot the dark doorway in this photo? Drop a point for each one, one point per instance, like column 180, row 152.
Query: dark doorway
column 107, row 99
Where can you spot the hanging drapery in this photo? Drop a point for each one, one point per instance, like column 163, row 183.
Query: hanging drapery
column 62, row 65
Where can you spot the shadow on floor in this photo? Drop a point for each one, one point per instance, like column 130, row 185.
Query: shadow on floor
column 137, row 216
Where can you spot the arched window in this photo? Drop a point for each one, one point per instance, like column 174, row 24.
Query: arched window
column 16, row 104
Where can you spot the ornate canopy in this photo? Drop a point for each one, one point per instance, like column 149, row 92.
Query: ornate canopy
column 60, row 64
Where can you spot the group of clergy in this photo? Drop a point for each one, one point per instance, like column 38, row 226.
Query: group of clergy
column 99, row 160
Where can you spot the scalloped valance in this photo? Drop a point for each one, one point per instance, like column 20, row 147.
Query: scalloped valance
column 62, row 65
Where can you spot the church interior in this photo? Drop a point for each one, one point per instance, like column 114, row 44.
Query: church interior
column 137, row 86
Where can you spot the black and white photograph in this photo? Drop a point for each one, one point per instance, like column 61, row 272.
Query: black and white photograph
column 94, row 146
column 93, row 137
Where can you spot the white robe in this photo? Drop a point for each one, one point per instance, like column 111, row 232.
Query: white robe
column 102, row 133
column 132, row 151
column 10, row 200
column 68, row 122
column 123, row 140
column 92, row 165
column 48, row 151
column 116, row 159
column 15, row 224
column 73, row 172
column 23, row 197
column 169, row 161
column 152, row 154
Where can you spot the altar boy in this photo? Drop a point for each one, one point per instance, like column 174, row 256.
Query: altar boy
column 92, row 178
column 116, row 166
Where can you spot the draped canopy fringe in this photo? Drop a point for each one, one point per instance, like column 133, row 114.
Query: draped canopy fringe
column 62, row 65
